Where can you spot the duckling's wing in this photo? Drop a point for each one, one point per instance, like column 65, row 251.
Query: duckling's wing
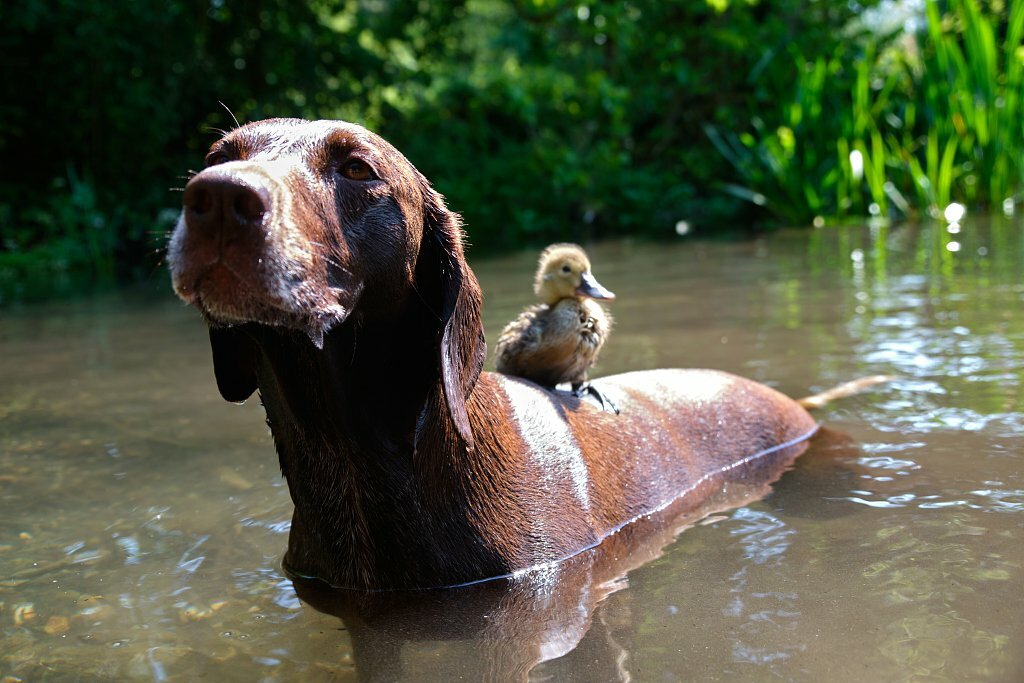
column 597, row 319
column 582, row 326
column 520, row 339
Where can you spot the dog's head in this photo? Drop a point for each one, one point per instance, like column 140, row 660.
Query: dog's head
column 308, row 224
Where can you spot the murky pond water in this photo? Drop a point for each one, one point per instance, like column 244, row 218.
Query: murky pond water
column 143, row 519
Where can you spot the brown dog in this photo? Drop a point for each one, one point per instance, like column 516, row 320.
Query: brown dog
column 333, row 279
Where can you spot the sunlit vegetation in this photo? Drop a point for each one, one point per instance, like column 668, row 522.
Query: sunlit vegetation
column 538, row 119
column 895, row 126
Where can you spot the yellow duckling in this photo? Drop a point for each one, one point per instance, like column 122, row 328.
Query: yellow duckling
column 558, row 340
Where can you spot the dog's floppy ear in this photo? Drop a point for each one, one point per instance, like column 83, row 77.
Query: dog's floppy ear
column 462, row 348
column 234, row 363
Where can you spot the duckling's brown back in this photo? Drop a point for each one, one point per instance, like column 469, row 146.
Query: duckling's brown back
column 554, row 344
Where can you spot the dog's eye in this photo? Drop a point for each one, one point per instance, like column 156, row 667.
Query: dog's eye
column 354, row 169
column 216, row 158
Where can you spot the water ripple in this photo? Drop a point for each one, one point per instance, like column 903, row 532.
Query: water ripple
column 765, row 537
column 985, row 500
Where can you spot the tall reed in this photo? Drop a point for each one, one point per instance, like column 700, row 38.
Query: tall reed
column 914, row 123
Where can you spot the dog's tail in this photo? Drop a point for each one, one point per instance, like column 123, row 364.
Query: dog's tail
column 843, row 390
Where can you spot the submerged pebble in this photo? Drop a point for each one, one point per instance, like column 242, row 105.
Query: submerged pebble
column 56, row 626
column 234, row 479
column 198, row 613
column 24, row 613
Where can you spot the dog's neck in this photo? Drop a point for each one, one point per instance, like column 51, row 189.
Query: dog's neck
column 358, row 426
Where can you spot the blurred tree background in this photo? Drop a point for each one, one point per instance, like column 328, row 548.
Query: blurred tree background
column 538, row 119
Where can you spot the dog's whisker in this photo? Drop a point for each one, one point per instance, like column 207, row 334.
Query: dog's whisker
column 217, row 131
column 332, row 262
column 231, row 113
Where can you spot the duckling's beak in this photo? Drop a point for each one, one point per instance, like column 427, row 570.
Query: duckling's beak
column 589, row 286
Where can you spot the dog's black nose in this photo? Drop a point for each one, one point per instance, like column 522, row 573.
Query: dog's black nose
column 225, row 204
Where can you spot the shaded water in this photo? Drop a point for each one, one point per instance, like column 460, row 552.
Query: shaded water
column 142, row 519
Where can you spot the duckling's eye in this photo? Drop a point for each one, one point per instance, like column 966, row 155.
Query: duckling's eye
column 566, row 269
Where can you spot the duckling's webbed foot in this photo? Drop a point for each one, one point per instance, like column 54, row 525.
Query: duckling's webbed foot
column 581, row 389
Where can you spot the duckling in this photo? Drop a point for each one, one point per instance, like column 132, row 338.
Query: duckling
column 558, row 340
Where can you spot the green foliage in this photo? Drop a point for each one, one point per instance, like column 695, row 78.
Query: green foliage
column 71, row 225
column 539, row 119
column 781, row 175
column 566, row 121
column 910, row 124
column 983, row 108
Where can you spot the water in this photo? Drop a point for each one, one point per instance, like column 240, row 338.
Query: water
column 143, row 519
